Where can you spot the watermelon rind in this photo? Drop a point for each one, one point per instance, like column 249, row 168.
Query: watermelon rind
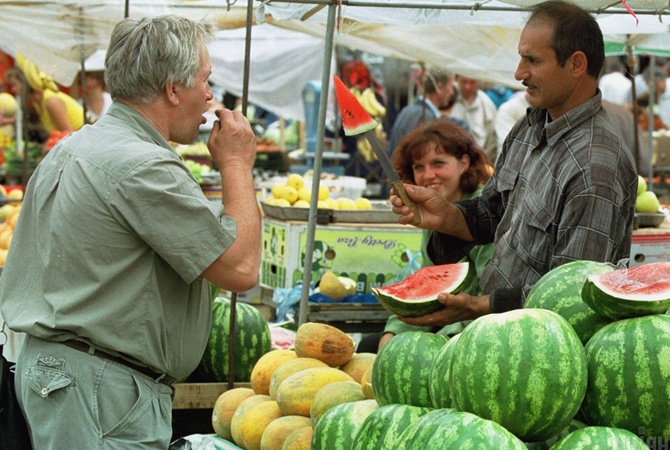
column 547, row 444
column 416, row 295
column 451, row 429
column 401, row 370
column 382, row 429
column 560, row 290
column 524, row 369
column 338, row 427
column 438, row 386
column 625, row 293
column 628, row 376
column 600, row 438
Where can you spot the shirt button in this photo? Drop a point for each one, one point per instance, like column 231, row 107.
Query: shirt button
column 45, row 391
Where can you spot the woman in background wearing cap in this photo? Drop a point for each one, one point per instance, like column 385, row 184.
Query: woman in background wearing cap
column 56, row 110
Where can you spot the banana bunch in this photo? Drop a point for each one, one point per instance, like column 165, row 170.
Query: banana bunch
column 368, row 101
column 365, row 149
column 37, row 79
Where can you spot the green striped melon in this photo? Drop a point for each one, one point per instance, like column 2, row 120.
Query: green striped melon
column 252, row 340
column 416, row 295
column 560, row 290
column 338, row 427
column 440, row 393
column 547, row 444
column 634, row 292
column 401, row 371
column 629, row 376
column 600, row 438
column 524, row 369
column 451, row 429
column 382, row 429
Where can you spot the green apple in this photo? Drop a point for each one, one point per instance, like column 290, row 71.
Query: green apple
column 647, row 202
column 641, row 185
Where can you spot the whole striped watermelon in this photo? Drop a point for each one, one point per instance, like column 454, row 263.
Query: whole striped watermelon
column 547, row 444
column 629, row 376
column 440, row 393
column 560, row 290
column 600, row 438
column 634, row 292
column 524, row 369
column 382, row 429
column 252, row 340
column 338, row 427
column 448, row 429
column 401, row 371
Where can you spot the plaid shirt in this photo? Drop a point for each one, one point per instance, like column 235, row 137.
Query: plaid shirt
column 561, row 192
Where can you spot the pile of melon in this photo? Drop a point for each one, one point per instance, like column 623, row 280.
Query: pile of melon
column 292, row 389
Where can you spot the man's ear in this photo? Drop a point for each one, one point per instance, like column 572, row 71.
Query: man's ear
column 580, row 63
column 172, row 92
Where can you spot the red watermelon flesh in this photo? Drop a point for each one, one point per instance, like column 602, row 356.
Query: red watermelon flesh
column 645, row 282
column 355, row 120
column 624, row 293
column 416, row 295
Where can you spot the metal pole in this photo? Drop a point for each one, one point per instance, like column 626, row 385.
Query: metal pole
column 318, row 156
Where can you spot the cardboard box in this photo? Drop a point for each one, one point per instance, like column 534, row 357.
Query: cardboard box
column 371, row 254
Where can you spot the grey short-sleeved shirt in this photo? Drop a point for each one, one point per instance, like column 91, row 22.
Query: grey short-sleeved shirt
column 113, row 235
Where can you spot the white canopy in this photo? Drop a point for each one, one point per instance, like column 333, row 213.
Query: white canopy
column 473, row 38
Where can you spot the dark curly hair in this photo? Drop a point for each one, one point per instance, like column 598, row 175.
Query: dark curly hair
column 449, row 138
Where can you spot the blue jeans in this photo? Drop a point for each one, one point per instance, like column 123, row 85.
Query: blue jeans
column 73, row 400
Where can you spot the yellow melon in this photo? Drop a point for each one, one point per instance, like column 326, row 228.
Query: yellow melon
column 296, row 393
column 288, row 368
column 278, row 430
column 257, row 418
column 225, row 407
column 241, row 411
column 358, row 364
column 261, row 374
column 366, row 384
column 324, row 342
column 333, row 394
column 300, row 439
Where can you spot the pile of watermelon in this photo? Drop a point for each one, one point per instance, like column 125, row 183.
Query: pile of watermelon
column 585, row 364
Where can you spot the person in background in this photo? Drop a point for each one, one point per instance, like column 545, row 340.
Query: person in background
column 613, row 83
column 564, row 185
column 508, row 114
column 94, row 97
column 122, row 246
column 647, row 106
column 437, row 86
column 478, row 111
column 441, row 156
column 56, row 109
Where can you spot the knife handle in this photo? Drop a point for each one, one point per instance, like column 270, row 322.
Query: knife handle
column 400, row 190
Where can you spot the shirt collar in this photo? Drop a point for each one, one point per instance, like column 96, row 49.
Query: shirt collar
column 127, row 114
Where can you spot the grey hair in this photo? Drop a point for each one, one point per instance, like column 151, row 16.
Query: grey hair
column 145, row 54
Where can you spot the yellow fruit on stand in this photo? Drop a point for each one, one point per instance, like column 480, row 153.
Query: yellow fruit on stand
column 336, row 288
column 322, row 204
column 332, row 203
column 305, row 193
column 3, row 256
column 5, row 211
column 295, row 180
column 363, row 203
column 290, row 193
column 346, row 203
column 301, row 204
column 6, row 238
column 277, row 190
column 15, row 194
column 324, row 192
column 281, row 202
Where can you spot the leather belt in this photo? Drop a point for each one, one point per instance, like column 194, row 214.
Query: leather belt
column 86, row 348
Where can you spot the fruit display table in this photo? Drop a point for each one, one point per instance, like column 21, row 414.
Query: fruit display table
column 651, row 244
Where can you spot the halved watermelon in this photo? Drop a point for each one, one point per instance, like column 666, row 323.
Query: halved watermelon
column 355, row 119
column 634, row 292
column 416, row 295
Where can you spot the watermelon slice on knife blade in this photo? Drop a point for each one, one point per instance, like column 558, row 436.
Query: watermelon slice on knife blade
column 355, row 120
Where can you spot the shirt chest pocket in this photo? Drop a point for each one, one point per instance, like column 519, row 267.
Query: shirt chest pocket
column 533, row 232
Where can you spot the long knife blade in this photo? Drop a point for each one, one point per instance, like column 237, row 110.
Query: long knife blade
column 392, row 175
